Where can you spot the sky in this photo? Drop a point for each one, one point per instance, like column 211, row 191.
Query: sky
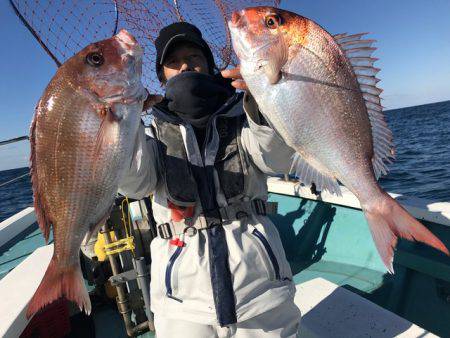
column 413, row 47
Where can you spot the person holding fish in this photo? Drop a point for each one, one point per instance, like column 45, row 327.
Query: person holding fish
column 218, row 266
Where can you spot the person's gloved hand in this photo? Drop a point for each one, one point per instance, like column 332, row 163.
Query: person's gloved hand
column 235, row 75
column 151, row 100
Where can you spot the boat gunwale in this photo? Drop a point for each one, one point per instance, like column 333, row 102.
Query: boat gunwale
column 16, row 224
column 420, row 208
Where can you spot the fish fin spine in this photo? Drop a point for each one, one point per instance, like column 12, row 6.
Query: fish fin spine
column 344, row 37
column 388, row 220
column 359, row 53
column 38, row 198
column 58, row 283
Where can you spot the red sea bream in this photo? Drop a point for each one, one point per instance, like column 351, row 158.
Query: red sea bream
column 320, row 94
column 81, row 136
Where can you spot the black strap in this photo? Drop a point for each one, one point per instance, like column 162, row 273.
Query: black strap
column 221, row 282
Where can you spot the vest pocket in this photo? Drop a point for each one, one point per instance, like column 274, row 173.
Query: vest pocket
column 169, row 269
column 268, row 249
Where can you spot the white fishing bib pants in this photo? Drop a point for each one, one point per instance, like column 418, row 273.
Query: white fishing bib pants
column 281, row 322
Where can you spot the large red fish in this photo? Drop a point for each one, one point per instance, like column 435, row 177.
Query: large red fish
column 319, row 93
column 82, row 135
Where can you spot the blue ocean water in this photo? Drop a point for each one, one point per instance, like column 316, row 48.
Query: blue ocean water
column 17, row 195
column 422, row 167
column 422, row 142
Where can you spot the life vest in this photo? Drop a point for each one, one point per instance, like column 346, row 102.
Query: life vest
column 230, row 162
column 192, row 174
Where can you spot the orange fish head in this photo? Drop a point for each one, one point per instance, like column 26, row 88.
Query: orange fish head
column 110, row 69
column 257, row 31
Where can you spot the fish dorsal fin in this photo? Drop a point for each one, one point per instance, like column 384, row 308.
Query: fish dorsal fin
column 359, row 53
column 308, row 174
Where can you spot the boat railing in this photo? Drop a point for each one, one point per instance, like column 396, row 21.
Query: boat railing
column 422, row 209
column 436, row 212
column 9, row 141
column 20, row 221
column 19, row 285
column 17, row 288
column 13, row 140
column 15, row 224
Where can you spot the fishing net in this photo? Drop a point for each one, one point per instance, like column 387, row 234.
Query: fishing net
column 64, row 27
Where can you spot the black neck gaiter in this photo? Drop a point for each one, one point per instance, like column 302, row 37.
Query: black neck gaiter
column 196, row 96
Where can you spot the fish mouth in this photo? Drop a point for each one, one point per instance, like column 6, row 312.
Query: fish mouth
column 129, row 95
column 240, row 45
column 237, row 19
column 125, row 37
column 128, row 43
column 247, row 50
column 131, row 52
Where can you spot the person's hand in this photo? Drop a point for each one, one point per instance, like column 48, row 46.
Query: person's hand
column 235, row 75
column 151, row 100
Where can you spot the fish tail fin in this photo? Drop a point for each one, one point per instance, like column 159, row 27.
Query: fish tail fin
column 388, row 220
column 60, row 282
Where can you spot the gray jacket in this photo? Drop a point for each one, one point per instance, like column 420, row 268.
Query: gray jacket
column 261, row 275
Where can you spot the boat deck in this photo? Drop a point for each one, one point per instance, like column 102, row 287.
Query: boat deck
column 20, row 247
column 327, row 242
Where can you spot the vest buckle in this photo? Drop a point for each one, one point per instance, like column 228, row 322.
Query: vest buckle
column 164, row 231
column 190, row 231
column 260, row 207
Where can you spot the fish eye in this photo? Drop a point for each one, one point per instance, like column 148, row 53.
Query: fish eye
column 95, row 59
column 272, row 21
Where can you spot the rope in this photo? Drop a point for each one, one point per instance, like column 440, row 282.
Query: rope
column 13, row 180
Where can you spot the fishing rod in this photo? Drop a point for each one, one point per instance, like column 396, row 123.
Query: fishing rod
column 13, row 140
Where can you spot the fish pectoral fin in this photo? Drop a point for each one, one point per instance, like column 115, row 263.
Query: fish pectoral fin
column 273, row 74
column 278, row 58
column 106, row 133
column 308, row 174
column 95, row 227
column 109, row 112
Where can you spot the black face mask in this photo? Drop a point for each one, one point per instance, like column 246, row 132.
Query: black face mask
column 195, row 96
